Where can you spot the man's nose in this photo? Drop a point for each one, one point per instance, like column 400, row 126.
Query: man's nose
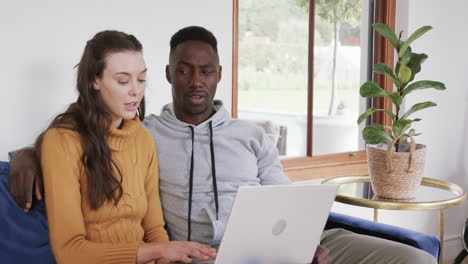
column 196, row 79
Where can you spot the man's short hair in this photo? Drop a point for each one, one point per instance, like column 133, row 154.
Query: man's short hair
column 193, row 33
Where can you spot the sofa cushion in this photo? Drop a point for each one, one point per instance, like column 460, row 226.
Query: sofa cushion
column 23, row 236
column 426, row 242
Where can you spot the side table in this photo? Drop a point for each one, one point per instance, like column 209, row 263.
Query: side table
column 433, row 194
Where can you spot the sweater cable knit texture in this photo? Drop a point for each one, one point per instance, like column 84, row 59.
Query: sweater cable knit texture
column 112, row 233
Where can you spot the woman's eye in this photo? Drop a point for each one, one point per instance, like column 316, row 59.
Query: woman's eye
column 123, row 82
column 142, row 81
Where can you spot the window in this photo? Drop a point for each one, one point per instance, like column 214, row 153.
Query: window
column 299, row 64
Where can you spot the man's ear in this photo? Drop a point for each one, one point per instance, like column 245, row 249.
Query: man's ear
column 168, row 75
column 220, row 73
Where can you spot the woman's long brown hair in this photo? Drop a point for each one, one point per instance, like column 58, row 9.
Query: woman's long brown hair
column 90, row 118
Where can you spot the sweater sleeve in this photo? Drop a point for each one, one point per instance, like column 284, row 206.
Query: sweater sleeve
column 60, row 160
column 153, row 221
column 270, row 170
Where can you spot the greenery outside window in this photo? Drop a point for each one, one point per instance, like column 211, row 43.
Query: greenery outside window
column 299, row 64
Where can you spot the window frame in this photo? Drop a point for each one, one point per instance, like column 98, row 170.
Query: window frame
column 312, row 167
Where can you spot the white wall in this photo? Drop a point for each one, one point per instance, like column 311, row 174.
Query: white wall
column 444, row 127
column 41, row 42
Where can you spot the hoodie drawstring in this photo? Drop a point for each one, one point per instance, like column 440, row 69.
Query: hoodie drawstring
column 190, row 189
column 213, row 170
column 213, row 176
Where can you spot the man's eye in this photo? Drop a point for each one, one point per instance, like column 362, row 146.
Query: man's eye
column 123, row 82
column 142, row 81
column 207, row 72
column 184, row 72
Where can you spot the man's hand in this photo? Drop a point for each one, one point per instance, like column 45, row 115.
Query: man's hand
column 25, row 175
column 321, row 256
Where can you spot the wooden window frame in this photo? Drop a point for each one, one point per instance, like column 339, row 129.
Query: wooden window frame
column 324, row 166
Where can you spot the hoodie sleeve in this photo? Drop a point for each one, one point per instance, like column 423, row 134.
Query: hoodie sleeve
column 270, row 170
column 153, row 222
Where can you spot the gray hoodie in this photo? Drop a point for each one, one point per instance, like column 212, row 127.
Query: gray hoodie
column 239, row 153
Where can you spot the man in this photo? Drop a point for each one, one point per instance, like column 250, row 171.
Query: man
column 205, row 155
column 200, row 146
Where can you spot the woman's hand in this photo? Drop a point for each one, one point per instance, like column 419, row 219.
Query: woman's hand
column 174, row 251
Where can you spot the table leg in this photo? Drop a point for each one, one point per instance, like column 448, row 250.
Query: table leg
column 441, row 235
column 376, row 215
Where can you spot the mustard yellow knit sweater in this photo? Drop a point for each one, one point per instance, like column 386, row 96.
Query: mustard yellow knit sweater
column 111, row 234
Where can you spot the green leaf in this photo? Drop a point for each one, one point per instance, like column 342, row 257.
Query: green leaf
column 415, row 63
column 395, row 97
column 388, row 113
column 413, row 133
column 371, row 89
column 398, row 63
column 404, row 74
column 423, row 85
column 370, row 111
column 418, row 107
column 384, row 69
column 364, row 115
column 418, row 33
column 400, row 126
column 405, row 59
column 375, row 134
column 387, row 32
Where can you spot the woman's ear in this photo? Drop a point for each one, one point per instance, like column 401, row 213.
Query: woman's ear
column 96, row 84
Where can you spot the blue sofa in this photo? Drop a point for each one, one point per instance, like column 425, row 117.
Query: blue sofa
column 24, row 237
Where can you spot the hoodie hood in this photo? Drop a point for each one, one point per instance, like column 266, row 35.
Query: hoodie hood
column 218, row 119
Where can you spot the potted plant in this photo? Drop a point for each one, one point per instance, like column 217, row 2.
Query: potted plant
column 396, row 165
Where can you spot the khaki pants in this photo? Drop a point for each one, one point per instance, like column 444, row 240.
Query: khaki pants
column 346, row 247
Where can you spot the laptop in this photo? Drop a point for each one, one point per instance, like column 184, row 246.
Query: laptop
column 275, row 224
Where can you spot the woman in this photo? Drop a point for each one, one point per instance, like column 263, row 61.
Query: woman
column 100, row 167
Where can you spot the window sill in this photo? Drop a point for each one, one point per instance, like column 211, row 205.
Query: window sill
column 326, row 166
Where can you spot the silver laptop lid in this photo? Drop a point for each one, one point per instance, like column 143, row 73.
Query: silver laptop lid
column 276, row 224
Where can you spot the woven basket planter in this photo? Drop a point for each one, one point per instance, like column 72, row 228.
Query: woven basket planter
column 396, row 175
